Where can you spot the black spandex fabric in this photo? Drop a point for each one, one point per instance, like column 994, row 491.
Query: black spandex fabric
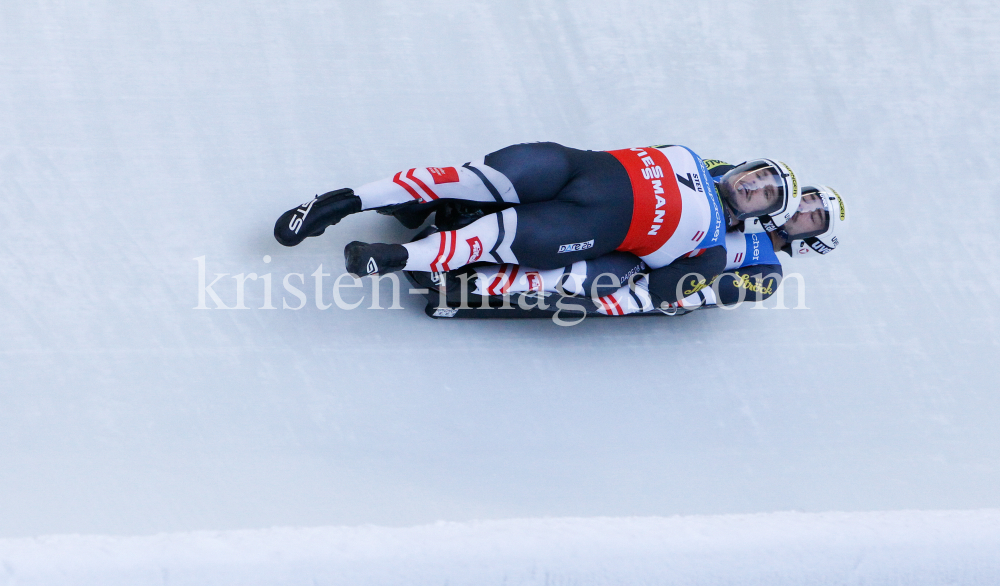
column 746, row 284
column 686, row 276
column 568, row 196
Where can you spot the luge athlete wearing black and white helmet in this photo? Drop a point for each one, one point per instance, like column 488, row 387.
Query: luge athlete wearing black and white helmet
column 763, row 189
column 752, row 272
column 819, row 223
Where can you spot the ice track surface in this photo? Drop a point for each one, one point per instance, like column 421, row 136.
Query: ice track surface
column 137, row 138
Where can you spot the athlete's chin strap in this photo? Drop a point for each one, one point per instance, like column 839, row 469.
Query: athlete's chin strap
column 730, row 218
column 728, row 214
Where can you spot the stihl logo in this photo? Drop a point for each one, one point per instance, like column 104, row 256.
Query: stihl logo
column 475, row 249
column 296, row 221
column 443, row 174
column 371, row 267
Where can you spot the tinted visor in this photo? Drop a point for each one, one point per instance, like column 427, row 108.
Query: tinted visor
column 752, row 189
column 812, row 217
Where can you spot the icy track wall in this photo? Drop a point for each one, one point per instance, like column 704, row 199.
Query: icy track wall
column 916, row 548
column 138, row 137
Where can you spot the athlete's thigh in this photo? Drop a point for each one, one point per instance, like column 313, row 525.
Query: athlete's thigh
column 600, row 180
column 538, row 171
column 556, row 234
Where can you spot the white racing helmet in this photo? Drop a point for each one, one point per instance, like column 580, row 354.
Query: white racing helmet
column 762, row 191
column 821, row 241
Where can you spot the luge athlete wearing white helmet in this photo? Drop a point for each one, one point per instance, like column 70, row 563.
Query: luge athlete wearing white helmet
column 550, row 206
column 822, row 219
column 752, row 272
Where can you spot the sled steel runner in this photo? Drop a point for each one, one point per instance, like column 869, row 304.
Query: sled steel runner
column 515, row 312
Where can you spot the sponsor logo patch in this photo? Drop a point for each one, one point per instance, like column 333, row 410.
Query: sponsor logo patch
column 445, row 312
column 576, row 247
column 443, row 174
column 754, row 285
column 295, row 224
column 534, row 281
column 696, row 285
column 475, row 249
column 842, row 209
column 634, row 270
column 371, row 267
column 820, row 247
column 795, row 181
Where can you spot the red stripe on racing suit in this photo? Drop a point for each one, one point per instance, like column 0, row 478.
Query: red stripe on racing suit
column 675, row 207
column 656, row 199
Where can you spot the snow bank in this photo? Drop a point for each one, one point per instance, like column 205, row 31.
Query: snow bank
column 903, row 547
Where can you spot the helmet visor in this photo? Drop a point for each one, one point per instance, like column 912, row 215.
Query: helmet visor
column 754, row 188
column 812, row 218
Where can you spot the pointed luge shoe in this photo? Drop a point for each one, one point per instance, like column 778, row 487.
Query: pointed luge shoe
column 313, row 217
column 363, row 259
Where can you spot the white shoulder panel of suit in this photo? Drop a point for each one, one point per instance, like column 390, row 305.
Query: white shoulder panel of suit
column 699, row 224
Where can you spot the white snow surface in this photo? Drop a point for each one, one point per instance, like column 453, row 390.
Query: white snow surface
column 915, row 548
column 138, row 137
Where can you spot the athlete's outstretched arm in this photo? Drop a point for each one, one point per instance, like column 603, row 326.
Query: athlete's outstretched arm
column 686, row 275
column 752, row 283
column 749, row 284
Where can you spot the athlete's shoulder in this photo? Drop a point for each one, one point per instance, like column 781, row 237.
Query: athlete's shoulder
column 753, row 248
column 717, row 168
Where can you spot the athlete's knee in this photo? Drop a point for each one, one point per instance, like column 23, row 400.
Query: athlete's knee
column 487, row 239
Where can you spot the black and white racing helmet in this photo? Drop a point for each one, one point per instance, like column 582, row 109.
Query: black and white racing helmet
column 820, row 222
column 761, row 189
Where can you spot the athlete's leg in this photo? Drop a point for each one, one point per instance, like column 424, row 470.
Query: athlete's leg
column 559, row 233
column 621, row 288
column 486, row 239
column 609, row 272
column 545, row 235
column 523, row 173
column 540, row 170
column 474, row 181
column 588, row 217
column 633, row 297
